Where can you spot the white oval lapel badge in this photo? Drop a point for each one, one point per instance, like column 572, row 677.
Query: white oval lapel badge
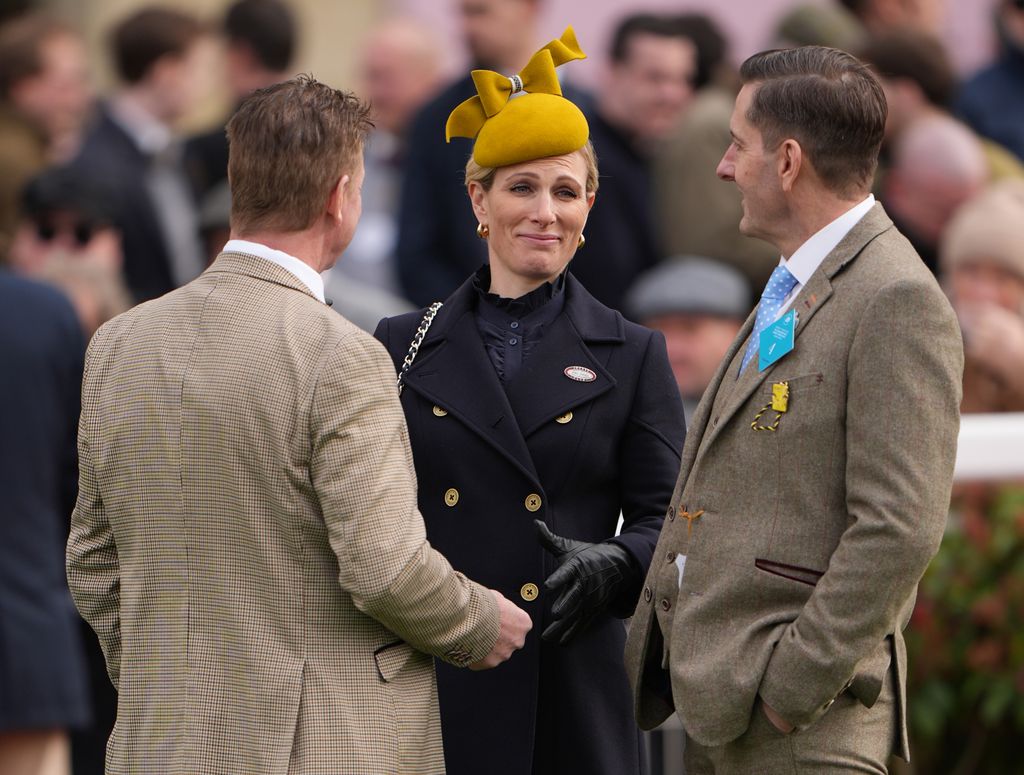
column 580, row 374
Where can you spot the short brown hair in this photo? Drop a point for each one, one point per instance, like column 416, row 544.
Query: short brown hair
column 149, row 35
column 485, row 175
column 21, row 43
column 829, row 102
column 289, row 144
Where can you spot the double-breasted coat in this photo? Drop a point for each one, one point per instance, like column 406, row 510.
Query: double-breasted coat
column 491, row 458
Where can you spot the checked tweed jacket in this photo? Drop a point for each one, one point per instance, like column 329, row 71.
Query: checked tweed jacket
column 246, row 541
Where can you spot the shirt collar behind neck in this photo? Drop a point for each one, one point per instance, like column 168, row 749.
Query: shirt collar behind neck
column 306, row 274
column 809, row 256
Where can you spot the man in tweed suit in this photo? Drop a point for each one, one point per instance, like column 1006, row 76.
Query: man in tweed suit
column 815, row 478
column 246, row 542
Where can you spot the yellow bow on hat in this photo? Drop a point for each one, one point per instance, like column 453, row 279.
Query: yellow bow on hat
column 494, row 90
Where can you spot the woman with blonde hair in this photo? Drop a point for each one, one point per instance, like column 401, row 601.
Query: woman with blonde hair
column 536, row 416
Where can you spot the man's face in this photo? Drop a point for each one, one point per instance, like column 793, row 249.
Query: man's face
column 983, row 282
column 496, row 30
column 399, row 75
column 696, row 345
column 182, row 81
column 653, row 83
column 58, row 97
column 752, row 167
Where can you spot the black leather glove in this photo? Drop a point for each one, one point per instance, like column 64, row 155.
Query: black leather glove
column 586, row 580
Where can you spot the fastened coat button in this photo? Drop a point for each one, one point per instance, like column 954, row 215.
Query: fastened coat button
column 665, row 604
column 439, row 412
column 671, row 514
column 671, row 556
column 451, row 496
column 564, row 418
column 533, row 502
column 647, row 594
column 529, row 592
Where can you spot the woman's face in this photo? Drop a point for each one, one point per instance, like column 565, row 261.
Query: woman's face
column 984, row 282
column 535, row 212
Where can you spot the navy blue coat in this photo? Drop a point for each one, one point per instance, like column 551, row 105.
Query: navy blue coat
column 109, row 159
column 43, row 680
column 551, row 708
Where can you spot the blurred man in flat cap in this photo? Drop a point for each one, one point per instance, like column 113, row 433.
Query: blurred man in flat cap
column 699, row 304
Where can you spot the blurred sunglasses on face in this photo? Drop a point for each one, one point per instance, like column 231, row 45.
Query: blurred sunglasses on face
column 81, row 231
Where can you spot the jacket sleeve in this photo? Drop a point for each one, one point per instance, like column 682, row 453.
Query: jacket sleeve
column 362, row 471
column 93, row 566
column 649, row 453
column 902, row 419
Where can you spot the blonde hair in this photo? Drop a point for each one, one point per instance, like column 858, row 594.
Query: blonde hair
column 485, row 175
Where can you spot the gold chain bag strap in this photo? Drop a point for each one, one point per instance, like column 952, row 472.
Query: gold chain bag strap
column 417, row 340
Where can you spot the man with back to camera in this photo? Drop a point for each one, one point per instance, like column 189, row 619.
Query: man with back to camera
column 246, row 542
column 815, row 481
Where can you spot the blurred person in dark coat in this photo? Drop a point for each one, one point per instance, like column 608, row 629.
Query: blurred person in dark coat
column 695, row 214
column 133, row 149
column 401, row 69
column 43, row 682
column 993, row 100
column 530, row 402
column 919, row 80
column 260, row 41
column 45, row 99
column 699, row 305
column 648, row 84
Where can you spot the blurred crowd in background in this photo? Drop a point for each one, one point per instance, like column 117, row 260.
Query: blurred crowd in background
column 104, row 198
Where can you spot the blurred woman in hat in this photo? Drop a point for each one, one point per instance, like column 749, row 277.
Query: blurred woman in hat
column 536, row 416
column 982, row 262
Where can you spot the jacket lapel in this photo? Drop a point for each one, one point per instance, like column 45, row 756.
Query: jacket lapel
column 542, row 390
column 812, row 297
column 454, row 372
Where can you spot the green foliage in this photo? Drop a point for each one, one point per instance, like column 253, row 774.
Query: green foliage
column 966, row 640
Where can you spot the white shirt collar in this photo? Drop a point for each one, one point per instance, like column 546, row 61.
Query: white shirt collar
column 809, row 256
column 150, row 135
column 303, row 271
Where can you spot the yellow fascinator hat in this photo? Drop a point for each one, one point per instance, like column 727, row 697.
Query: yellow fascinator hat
column 522, row 117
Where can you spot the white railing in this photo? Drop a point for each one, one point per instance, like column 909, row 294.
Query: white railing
column 991, row 447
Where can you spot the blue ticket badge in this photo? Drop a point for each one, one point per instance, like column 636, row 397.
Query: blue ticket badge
column 776, row 340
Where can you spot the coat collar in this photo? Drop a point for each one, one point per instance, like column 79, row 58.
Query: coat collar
column 258, row 268
column 812, row 297
column 454, row 371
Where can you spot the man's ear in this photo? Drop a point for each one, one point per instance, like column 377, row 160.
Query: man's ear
column 478, row 197
column 790, row 160
column 336, row 199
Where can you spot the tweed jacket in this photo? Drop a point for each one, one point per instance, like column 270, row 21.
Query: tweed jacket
column 802, row 571
column 246, row 541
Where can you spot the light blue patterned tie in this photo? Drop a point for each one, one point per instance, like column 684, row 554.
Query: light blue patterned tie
column 779, row 285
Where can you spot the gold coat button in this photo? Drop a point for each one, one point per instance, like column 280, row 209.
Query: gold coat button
column 451, row 496
column 529, row 592
column 439, row 412
column 564, row 418
column 533, row 502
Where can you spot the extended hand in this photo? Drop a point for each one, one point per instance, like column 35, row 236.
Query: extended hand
column 515, row 623
column 586, row 580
